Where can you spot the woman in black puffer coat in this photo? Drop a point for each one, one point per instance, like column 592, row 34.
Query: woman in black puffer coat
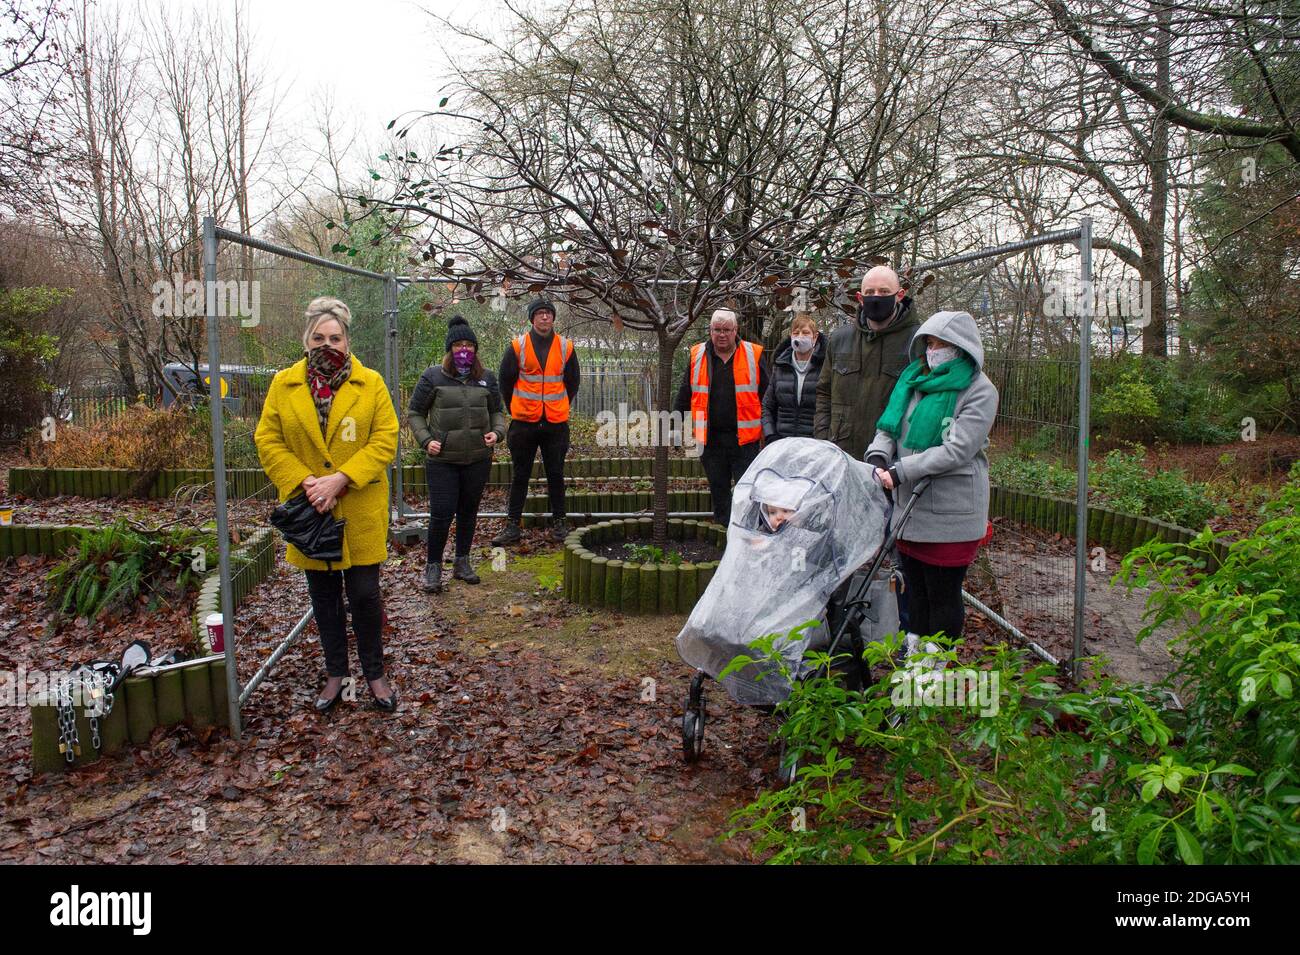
column 790, row 402
column 456, row 415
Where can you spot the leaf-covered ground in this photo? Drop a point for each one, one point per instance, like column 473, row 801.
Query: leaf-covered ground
column 527, row 732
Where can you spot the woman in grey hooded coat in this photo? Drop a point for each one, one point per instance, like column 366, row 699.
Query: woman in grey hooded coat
column 936, row 425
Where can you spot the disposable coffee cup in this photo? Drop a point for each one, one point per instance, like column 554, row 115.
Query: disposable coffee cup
column 6, row 516
column 216, row 632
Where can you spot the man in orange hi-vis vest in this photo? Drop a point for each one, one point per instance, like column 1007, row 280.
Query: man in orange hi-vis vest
column 538, row 377
column 723, row 391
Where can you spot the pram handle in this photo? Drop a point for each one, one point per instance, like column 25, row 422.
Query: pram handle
column 860, row 598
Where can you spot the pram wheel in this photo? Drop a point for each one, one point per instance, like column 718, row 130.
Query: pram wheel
column 692, row 735
column 787, row 768
column 693, row 720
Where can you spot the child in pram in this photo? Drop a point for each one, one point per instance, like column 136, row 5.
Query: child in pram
column 805, row 517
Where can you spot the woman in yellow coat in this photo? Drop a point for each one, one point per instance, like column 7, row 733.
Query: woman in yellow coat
column 328, row 428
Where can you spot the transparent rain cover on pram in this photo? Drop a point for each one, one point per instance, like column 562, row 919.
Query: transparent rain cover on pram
column 773, row 581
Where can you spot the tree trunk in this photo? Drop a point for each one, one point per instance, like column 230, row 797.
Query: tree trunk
column 1155, row 341
column 659, row 472
column 125, row 369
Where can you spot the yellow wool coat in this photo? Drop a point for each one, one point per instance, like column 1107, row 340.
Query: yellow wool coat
column 360, row 441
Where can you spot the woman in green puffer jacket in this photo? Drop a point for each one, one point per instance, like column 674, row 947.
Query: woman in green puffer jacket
column 456, row 415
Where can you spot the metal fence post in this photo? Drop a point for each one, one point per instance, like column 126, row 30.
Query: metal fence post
column 219, row 465
column 1081, row 503
column 392, row 371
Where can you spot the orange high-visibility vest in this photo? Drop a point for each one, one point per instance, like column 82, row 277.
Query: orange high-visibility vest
column 749, row 411
column 537, row 385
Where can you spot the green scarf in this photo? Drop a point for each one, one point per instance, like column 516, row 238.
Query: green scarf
column 939, row 388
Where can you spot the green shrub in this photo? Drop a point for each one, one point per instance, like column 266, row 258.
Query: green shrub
column 1138, row 397
column 1044, row 440
column 116, row 566
column 1236, row 772
column 1120, row 481
column 650, row 554
column 1127, row 408
column 240, row 448
column 968, row 782
column 1031, row 474
column 1123, row 483
column 1050, row 776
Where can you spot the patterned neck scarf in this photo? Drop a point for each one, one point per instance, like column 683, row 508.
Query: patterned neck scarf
column 327, row 370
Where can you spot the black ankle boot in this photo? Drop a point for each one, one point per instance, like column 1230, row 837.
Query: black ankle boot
column 512, row 533
column 462, row 570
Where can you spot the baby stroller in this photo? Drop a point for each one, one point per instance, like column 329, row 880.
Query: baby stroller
column 805, row 519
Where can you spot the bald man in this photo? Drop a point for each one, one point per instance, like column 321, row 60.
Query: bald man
column 863, row 361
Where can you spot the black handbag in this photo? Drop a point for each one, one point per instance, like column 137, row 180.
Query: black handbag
column 319, row 536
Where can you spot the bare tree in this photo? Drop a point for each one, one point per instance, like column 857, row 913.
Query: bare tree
column 32, row 61
column 651, row 161
column 1230, row 44
column 166, row 131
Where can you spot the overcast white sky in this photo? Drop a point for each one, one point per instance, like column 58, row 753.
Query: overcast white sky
column 373, row 59
column 379, row 57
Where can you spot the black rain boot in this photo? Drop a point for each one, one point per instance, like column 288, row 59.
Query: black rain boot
column 512, row 534
column 433, row 577
column 461, row 570
column 560, row 529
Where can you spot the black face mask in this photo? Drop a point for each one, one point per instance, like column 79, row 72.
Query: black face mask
column 877, row 308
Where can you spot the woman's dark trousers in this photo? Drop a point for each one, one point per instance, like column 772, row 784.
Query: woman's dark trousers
column 455, row 491
column 933, row 597
column 326, row 588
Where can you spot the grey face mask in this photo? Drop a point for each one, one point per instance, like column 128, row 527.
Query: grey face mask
column 934, row 357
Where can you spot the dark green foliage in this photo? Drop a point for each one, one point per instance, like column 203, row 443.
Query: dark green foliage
column 1144, row 399
column 115, row 566
column 1120, row 482
column 1103, row 776
column 650, row 554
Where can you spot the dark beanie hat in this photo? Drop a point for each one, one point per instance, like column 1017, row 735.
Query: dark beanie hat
column 537, row 304
column 458, row 330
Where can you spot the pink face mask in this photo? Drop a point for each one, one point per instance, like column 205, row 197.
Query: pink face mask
column 463, row 359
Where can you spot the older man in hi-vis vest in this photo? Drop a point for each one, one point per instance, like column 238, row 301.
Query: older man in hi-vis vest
column 723, row 391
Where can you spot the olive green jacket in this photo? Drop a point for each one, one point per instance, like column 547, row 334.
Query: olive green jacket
column 457, row 413
column 857, row 378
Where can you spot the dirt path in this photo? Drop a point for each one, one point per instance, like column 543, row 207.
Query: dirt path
column 1035, row 582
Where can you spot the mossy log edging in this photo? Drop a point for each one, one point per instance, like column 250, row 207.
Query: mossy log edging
column 253, row 483
column 250, row 565
column 579, row 505
column 1118, row 533
column 193, row 692
column 242, row 483
column 629, row 587
column 50, row 540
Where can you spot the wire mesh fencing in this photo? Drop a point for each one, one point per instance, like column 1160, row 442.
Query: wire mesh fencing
column 608, row 385
column 266, row 289
column 1036, row 354
column 257, row 295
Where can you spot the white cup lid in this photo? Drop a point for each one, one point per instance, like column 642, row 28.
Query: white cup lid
column 212, row 620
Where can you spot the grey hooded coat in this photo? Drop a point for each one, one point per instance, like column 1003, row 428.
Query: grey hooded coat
column 956, row 505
